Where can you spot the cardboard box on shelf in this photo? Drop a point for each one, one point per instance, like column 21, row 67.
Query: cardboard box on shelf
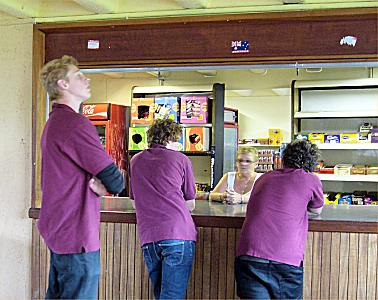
column 138, row 138
column 142, row 110
column 194, row 109
column 181, row 141
column 275, row 136
column 348, row 138
column 301, row 137
column 166, row 107
column 374, row 135
column 332, row 138
column 316, row 138
column 197, row 139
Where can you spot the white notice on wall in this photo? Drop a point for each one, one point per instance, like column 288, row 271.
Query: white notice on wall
column 93, row 44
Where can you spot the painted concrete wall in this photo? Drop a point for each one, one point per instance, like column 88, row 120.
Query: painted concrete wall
column 15, row 159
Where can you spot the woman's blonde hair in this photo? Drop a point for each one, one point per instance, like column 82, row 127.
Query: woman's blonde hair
column 54, row 71
column 249, row 150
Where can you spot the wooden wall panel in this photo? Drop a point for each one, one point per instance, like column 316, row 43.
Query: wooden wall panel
column 293, row 37
column 337, row 265
column 372, row 272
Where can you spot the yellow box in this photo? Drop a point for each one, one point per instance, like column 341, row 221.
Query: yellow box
column 316, row 138
column 275, row 136
column 348, row 138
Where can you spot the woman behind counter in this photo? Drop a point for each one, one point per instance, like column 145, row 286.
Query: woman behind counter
column 236, row 187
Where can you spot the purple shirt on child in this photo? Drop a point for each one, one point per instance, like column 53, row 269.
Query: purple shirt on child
column 72, row 154
column 160, row 181
column 276, row 222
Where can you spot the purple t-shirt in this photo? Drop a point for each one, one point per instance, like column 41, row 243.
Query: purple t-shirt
column 160, row 181
column 276, row 222
column 69, row 218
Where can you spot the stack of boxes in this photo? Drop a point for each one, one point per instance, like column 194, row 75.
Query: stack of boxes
column 188, row 110
column 366, row 134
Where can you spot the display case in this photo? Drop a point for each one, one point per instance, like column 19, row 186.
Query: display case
column 200, row 112
column 341, row 117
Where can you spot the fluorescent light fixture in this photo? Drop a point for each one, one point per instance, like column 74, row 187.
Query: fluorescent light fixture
column 281, row 91
column 292, row 1
column 242, row 93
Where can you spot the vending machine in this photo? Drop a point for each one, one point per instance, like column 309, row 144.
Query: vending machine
column 110, row 122
column 231, row 136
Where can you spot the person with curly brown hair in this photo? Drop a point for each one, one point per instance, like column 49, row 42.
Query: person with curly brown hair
column 163, row 189
column 269, row 262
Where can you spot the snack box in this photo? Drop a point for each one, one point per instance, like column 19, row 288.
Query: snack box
column 138, row 138
column 331, row 197
column 275, row 136
column 316, row 138
column 343, row 169
column 345, row 199
column 166, row 107
column 194, row 109
column 181, row 141
column 301, row 137
column 348, row 138
column 197, row 139
column 263, row 141
column 142, row 110
column 373, row 170
column 332, row 138
column 327, row 170
column 358, row 170
column 374, row 135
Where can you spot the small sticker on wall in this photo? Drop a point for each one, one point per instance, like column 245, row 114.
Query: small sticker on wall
column 93, row 44
column 349, row 40
column 240, row 46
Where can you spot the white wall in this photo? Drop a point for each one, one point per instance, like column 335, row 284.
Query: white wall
column 15, row 159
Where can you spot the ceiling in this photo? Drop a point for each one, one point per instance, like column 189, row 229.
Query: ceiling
column 46, row 11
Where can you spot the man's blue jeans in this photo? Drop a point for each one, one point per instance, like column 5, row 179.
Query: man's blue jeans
column 74, row 276
column 169, row 264
column 258, row 278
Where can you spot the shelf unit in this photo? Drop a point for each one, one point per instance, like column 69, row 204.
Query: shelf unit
column 340, row 146
column 350, row 178
column 215, row 115
column 331, row 107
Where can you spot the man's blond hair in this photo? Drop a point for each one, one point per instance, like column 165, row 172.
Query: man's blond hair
column 53, row 71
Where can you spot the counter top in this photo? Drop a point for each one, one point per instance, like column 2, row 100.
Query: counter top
column 335, row 218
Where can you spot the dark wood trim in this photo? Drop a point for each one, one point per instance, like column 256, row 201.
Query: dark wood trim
column 343, row 226
column 237, row 222
column 357, row 13
column 38, row 113
column 282, row 37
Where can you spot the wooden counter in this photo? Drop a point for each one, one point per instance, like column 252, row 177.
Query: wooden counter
column 340, row 259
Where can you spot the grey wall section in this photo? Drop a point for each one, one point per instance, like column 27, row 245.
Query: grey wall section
column 15, row 159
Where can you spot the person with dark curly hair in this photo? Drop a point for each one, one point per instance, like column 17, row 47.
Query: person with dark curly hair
column 269, row 262
column 163, row 189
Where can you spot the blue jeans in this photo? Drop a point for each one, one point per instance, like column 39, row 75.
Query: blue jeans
column 258, row 278
column 169, row 264
column 74, row 276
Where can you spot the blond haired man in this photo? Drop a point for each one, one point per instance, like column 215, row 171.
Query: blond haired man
column 75, row 171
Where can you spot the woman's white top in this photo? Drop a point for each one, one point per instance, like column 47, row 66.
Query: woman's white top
column 231, row 181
